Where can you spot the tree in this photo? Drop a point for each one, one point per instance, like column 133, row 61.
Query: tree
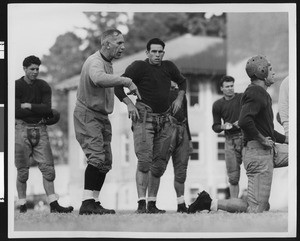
column 145, row 26
column 167, row 26
column 65, row 58
column 100, row 21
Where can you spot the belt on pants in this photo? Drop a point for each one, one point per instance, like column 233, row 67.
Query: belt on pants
column 173, row 120
column 158, row 118
column 234, row 136
column 257, row 144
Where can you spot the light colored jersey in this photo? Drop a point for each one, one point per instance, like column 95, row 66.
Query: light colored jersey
column 95, row 89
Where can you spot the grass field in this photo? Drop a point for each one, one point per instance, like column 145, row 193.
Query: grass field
column 127, row 221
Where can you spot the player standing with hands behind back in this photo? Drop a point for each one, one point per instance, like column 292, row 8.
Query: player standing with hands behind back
column 228, row 109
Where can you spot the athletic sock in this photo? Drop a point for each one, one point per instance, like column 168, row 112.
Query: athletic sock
column 90, row 177
column 96, row 195
column 99, row 181
column 214, row 205
column 52, row 198
column 90, row 180
column 87, row 194
column 180, row 200
column 22, row 201
column 149, row 199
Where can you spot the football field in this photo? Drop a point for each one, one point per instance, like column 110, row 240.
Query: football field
column 129, row 224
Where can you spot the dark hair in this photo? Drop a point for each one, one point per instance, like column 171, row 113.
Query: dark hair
column 107, row 34
column 226, row 78
column 31, row 60
column 155, row 41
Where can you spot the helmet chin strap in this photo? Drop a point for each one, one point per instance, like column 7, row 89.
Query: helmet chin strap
column 267, row 82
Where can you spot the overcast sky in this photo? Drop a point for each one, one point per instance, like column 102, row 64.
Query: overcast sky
column 32, row 30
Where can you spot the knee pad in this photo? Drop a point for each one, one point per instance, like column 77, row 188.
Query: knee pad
column 158, row 170
column 180, row 177
column 234, row 177
column 48, row 172
column 23, row 174
column 143, row 167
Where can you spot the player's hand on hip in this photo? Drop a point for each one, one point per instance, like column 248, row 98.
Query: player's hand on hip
column 176, row 105
column 133, row 90
column 268, row 143
column 133, row 113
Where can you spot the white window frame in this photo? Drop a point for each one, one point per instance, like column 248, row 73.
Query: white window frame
column 220, row 139
column 196, row 138
column 193, row 195
column 200, row 98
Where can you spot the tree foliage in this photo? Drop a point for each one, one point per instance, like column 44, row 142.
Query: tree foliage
column 65, row 58
column 166, row 26
column 100, row 21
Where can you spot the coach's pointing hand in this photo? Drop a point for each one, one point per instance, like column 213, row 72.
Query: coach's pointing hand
column 133, row 90
column 133, row 113
column 176, row 105
column 266, row 142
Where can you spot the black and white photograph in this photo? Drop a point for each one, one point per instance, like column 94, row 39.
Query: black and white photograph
column 151, row 120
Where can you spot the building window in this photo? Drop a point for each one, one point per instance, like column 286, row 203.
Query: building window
column 125, row 149
column 196, row 147
column 223, row 193
column 221, row 147
column 194, row 93
column 193, row 193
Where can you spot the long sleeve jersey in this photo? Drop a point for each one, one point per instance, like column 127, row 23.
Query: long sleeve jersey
column 228, row 111
column 182, row 113
column 38, row 94
column 95, row 89
column 257, row 115
column 283, row 104
column 153, row 83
